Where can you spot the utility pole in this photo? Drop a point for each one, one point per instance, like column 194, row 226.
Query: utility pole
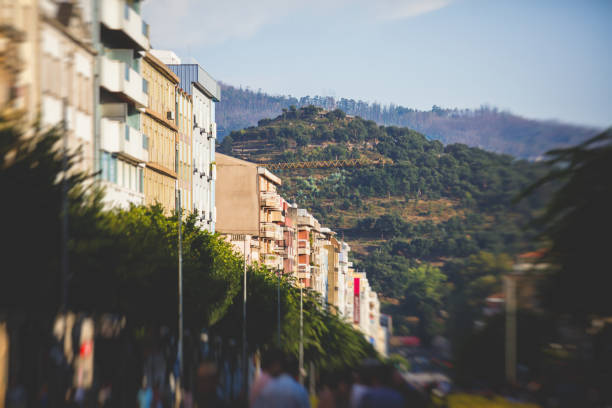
column 64, row 259
column 245, row 369
column 510, row 295
column 180, row 288
column 278, row 319
column 301, row 335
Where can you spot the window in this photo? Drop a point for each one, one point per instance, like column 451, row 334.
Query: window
column 145, row 142
column 141, row 180
column 127, row 133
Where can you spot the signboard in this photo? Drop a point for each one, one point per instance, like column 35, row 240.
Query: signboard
column 356, row 311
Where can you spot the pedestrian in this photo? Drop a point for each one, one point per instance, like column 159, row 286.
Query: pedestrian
column 362, row 381
column 381, row 392
column 271, row 367
column 284, row 391
column 207, row 381
column 145, row 395
column 336, row 391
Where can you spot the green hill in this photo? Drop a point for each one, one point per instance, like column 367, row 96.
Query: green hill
column 436, row 213
column 485, row 127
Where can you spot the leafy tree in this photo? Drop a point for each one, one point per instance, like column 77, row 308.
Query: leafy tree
column 575, row 220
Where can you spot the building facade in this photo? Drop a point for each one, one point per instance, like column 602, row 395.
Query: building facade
column 121, row 38
column 160, row 133
column 205, row 92
column 47, row 69
column 184, row 146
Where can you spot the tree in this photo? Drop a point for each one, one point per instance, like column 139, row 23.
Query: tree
column 576, row 221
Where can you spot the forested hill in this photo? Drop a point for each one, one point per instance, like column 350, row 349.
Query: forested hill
column 434, row 230
column 487, row 128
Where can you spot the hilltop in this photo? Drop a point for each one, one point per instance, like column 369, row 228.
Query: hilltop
column 487, row 128
column 435, row 213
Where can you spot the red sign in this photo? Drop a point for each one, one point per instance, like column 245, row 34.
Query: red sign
column 356, row 310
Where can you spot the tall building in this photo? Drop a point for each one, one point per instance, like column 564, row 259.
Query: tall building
column 204, row 91
column 252, row 210
column 308, row 229
column 121, row 36
column 47, row 68
column 160, row 133
column 184, row 146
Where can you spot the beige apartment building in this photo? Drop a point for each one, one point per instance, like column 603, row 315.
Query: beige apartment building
column 160, row 133
column 46, row 69
column 250, row 210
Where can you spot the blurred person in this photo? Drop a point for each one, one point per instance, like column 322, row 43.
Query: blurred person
column 362, row 381
column 414, row 398
column 381, row 392
column 206, row 385
column 284, row 391
column 145, row 395
column 336, row 391
column 271, row 367
column 16, row 396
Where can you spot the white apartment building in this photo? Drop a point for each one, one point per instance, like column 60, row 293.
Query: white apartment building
column 205, row 91
column 120, row 36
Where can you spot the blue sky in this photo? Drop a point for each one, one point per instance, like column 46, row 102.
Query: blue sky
column 546, row 59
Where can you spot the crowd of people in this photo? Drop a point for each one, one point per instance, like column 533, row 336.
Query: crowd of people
column 372, row 384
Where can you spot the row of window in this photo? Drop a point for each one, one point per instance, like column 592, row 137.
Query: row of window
column 122, row 173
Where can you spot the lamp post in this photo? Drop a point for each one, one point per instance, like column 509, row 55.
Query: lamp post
column 180, row 289
column 278, row 318
column 245, row 370
column 301, row 334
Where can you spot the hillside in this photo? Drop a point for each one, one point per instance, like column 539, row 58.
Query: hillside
column 443, row 207
column 487, row 128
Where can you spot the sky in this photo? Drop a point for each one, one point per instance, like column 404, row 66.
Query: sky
column 544, row 59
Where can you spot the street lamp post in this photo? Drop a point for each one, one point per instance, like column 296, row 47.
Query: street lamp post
column 301, row 335
column 278, row 318
column 245, row 370
column 180, row 289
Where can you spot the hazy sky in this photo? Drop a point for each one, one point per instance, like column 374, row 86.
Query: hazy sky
column 549, row 59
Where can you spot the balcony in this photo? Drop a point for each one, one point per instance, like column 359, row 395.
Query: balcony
column 272, row 261
column 117, row 137
column 277, row 216
column 116, row 15
column 117, row 76
column 272, row 231
column 117, row 196
column 307, row 220
column 271, row 200
column 304, row 251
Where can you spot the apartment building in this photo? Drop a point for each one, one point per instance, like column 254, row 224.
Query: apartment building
column 333, row 275
column 160, row 133
column 343, row 278
column 205, row 92
column 47, row 68
column 121, row 38
column 251, row 210
column 288, row 247
column 184, row 146
column 308, row 229
column 11, row 63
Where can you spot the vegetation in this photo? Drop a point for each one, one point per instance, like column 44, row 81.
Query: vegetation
column 484, row 127
column 434, row 231
column 575, row 220
column 124, row 262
